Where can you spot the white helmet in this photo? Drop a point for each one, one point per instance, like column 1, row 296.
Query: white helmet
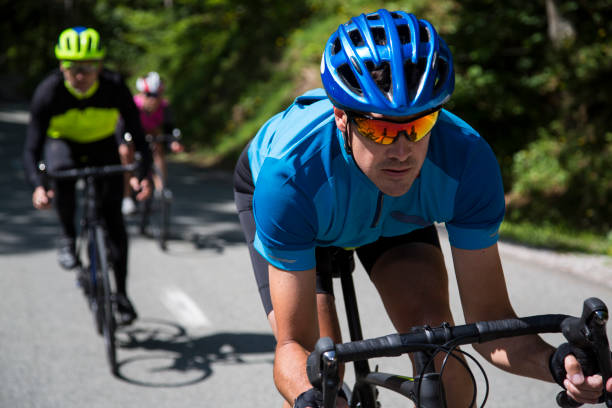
column 151, row 84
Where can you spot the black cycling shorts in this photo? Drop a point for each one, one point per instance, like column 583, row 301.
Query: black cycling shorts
column 329, row 260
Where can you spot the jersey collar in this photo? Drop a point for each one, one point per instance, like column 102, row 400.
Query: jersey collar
column 82, row 95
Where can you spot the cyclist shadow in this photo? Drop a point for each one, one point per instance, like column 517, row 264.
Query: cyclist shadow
column 175, row 359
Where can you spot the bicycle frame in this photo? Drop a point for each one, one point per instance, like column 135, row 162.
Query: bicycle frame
column 99, row 290
column 430, row 387
column 161, row 200
column 426, row 390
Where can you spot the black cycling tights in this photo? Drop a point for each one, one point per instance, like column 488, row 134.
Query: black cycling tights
column 61, row 154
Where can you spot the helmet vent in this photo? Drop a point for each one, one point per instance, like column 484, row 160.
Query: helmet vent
column 380, row 38
column 337, row 47
column 442, row 73
column 373, row 17
column 356, row 38
column 382, row 76
column 413, row 74
column 348, row 77
column 424, row 33
column 404, row 33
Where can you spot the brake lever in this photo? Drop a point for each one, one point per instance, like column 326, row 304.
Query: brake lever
column 589, row 332
column 322, row 370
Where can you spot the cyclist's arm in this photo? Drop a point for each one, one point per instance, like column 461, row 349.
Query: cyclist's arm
column 294, row 302
column 131, row 123
column 168, row 124
column 35, row 137
column 484, row 296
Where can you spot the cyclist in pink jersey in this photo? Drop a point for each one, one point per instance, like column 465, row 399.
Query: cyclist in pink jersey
column 156, row 119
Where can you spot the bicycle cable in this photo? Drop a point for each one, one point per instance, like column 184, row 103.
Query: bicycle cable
column 452, row 352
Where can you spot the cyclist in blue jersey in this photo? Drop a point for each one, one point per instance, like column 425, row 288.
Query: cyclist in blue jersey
column 371, row 163
column 73, row 115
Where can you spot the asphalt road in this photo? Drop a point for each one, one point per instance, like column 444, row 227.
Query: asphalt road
column 202, row 339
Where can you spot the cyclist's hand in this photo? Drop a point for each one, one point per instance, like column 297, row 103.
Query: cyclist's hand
column 573, row 369
column 176, row 147
column 41, row 198
column 313, row 398
column 142, row 188
column 585, row 389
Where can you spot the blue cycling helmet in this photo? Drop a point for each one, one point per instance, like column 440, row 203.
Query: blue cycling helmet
column 408, row 52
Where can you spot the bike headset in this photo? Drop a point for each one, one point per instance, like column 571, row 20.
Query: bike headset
column 415, row 63
column 151, row 84
column 79, row 44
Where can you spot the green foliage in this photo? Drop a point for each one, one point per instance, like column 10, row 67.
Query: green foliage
column 556, row 237
column 537, row 169
column 543, row 105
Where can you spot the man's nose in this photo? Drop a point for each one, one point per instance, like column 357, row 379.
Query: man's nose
column 401, row 148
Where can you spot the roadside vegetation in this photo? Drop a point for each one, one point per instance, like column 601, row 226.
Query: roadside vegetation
column 532, row 77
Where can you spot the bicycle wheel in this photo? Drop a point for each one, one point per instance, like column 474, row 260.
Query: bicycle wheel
column 93, row 295
column 364, row 396
column 165, row 201
column 106, row 303
column 145, row 215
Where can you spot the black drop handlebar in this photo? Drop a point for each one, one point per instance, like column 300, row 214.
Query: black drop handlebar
column 587, row 332
column 175, row 135
column 94, row 171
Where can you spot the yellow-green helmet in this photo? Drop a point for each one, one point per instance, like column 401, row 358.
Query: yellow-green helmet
column 79, row 43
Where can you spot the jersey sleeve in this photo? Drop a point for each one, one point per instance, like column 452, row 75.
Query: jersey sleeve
column 36, row 132
column 479, row 201
column 131, row 123
column 285, row 219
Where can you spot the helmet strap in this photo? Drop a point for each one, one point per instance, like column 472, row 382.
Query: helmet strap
column 347, row 142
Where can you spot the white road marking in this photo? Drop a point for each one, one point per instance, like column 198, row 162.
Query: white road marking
column 184, row 308
column 22, row 117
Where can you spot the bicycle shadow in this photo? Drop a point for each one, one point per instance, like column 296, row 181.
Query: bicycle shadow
column 172, row 358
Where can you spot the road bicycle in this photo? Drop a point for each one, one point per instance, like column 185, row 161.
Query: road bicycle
column 156, row 210
column 425, row 389
column 95, row 278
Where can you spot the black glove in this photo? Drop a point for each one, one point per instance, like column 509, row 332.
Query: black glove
column 310, row 398
column 586, row 358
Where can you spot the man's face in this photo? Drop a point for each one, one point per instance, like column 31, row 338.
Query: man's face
column 81, row 75
column 392, row 167
column 151, row 102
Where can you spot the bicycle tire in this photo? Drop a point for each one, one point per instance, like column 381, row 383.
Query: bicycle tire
column 95, row 299
column 370, row 399
column 145, row 215
column 164, row 218
column 105, row 297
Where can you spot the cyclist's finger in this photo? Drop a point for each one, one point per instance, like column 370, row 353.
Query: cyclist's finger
column 573, row 369
column 589, row 392
column 144, row 189
column 134, row 183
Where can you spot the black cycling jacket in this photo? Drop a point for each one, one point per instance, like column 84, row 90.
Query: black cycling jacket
column 55, row 112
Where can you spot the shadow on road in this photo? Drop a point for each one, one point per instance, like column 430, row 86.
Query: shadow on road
column 203, row 211
column 174, row 359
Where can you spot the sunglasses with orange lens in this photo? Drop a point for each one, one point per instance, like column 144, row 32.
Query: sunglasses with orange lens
column 385, row 132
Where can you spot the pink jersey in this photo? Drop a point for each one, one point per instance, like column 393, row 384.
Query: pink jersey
column 151, row 121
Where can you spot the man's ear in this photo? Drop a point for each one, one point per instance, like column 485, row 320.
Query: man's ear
column 341, row 119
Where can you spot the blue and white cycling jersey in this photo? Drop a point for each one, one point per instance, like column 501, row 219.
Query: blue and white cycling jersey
column 309, row 192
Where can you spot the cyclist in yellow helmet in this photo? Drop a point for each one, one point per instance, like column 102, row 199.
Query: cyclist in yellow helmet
column 73, row 115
